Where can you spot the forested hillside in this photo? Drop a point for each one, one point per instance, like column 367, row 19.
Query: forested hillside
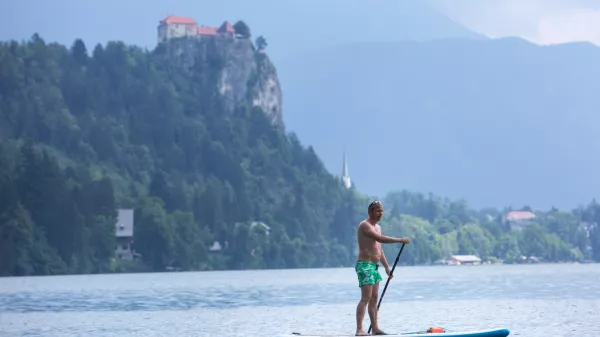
column 83, row 135
column 440, row 227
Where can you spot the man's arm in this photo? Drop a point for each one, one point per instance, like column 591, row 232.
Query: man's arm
column 383, row 260
column 372, row 233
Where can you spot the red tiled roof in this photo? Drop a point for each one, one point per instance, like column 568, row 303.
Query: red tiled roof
column 182, row 20
column 519, row 215
column 203, row 30
column 226, row 27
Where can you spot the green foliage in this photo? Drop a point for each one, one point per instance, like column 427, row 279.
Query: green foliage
column 53, row 220
column 82, row 136
column 261, row 43
column 440, row 228
column 126, row 128
column 242, row 29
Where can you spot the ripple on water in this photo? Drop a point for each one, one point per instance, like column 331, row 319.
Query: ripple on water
column 524, row 317
column 282, row 288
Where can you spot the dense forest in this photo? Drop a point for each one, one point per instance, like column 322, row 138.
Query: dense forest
column 84, row 134
column 440, row 228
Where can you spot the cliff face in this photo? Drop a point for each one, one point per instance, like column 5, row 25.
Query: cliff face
column 125, row 128
column 266, row 91
column 242, row 73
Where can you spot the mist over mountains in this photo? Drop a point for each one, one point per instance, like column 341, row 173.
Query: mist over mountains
column 498, row 122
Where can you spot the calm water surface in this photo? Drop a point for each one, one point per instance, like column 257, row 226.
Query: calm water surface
column 533, row 300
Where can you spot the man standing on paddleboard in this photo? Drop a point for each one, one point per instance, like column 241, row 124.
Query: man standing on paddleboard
column 370, row 253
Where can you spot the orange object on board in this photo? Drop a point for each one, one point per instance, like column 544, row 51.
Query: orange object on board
column 436, row 330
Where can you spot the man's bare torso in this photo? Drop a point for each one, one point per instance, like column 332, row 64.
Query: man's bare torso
column 368, row 249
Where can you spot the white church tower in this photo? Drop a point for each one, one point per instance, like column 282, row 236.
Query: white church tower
column 345, row 176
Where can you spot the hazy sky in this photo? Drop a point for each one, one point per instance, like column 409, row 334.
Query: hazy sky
column 293, row 26
column 540, row 21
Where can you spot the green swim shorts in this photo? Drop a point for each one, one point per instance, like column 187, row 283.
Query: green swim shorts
column 367, row 273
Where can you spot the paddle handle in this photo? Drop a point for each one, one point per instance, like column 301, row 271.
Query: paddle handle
column 388, row 280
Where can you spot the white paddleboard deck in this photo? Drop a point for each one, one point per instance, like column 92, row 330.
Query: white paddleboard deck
column 476, row 333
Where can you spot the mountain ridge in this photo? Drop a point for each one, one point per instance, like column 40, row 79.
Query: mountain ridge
column 426, row 93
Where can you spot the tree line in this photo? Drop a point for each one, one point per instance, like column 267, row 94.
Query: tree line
column 84, row 135
column 441, row 227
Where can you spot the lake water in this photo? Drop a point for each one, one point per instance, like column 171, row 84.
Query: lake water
column 530, row 300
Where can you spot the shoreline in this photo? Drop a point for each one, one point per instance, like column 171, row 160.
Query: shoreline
column 303, row 268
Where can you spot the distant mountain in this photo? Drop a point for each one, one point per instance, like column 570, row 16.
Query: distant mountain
column 498, row 122
column 312, row 25
column 337, row 21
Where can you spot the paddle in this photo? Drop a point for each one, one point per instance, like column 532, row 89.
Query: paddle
column 388, row 280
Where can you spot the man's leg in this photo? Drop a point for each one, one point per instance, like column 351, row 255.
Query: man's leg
column 373, row 308
column 365, row 296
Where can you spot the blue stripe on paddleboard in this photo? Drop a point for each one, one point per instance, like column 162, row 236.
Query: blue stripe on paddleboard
column 477, row 333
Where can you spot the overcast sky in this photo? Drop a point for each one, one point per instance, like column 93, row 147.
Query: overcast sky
column 540, row 21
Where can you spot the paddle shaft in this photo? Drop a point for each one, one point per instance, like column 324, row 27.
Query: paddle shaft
column 388, row 280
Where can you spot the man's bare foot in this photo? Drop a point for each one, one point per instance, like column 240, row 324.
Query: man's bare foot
column 378, row 332
column 361, row 332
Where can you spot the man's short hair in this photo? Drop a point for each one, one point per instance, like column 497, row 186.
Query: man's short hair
column 373, row 203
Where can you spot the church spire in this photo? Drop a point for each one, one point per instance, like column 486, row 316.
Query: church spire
column 345, row 176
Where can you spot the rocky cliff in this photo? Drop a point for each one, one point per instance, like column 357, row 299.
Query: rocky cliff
column 241, row 72
column 82, row 136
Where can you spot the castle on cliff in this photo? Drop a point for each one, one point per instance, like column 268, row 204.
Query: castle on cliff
column 181, row 26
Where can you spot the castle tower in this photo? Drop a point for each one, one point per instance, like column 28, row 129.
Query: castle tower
column 345, row 176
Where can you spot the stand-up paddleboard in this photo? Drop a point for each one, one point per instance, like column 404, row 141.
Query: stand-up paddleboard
column 431, row 332
column 445, row 333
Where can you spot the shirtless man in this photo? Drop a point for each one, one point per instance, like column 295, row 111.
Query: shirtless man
column 369, row 255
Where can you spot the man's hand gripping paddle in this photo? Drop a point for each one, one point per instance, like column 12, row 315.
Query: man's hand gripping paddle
column 388, row 280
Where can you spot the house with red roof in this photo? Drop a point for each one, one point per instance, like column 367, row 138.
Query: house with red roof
column 181, row 26
column 518, row 219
